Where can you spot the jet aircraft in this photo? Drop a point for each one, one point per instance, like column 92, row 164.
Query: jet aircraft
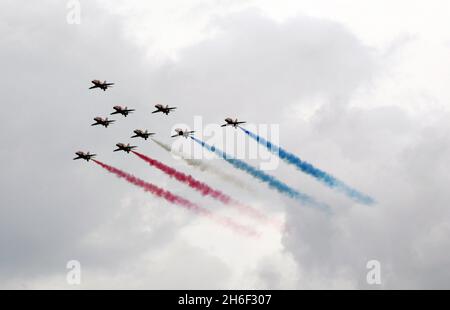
column 121, row 110
column 102, row 121
column 230, row 122
column 102, row 85
column 82, row 155
column 182, row 133
column 124, row 147
column 164, row 109
column 142, row 134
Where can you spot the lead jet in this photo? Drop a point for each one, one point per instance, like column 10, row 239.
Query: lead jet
column 142, row 134
column 102, row 121
column 230, row 122
column 182, row 133
column 164, row 109
column 83, row 155
column 124, row 147
column 122, row 110
column 102, row 85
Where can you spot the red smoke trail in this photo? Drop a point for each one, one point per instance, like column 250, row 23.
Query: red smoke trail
column 203, row 188
column 175, row 199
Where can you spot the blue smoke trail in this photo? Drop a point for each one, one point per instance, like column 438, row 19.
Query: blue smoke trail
column 306, row 167
column 262, row 176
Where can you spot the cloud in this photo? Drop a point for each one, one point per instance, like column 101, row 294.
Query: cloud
column 265, row 68
column 49, row 202
column 401, row 163
column 55, row 209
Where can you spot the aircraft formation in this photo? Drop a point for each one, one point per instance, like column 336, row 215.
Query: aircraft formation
column 256, row 173
column 138, row 133
column 171, row 197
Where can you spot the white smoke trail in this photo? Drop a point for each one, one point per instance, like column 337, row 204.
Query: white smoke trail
column 203, row 166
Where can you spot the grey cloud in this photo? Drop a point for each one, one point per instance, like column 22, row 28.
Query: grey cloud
column 49, row 202
column 402, row 165
column 254, row 68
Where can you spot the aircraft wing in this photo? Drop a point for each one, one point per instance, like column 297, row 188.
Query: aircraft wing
column 224, row 125
column 156, row 111
column 95, row 86
column 108, row 84
column 172, row 108
column 174, row 136
column 240, row 123
column 117, row 150
column 77, row 158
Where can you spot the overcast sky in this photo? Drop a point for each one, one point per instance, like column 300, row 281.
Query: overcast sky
column 359, row 89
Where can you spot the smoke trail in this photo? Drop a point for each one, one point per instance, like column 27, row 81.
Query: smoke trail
column 201, row 187
column 178, row 200
column 306, row 167
column 262, row 176
column 203, row 166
